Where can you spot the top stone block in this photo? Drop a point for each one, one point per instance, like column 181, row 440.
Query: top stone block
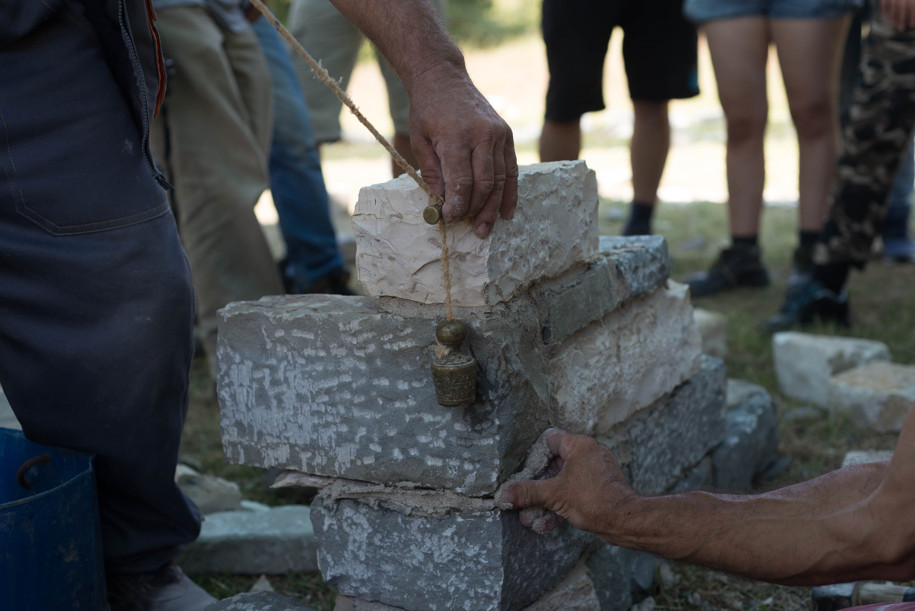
column 555, row 227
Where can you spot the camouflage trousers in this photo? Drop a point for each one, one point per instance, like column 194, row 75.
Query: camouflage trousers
column 880, row 126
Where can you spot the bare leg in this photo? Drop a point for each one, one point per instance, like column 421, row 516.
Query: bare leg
column 560, row 141
column 739, row 49
column 401, row 144
column 648, row 149
column 809, row 52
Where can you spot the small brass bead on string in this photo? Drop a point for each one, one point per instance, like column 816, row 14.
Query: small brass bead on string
column 453, row 373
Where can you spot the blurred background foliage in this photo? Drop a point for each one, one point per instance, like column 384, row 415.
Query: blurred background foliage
column 472, row 23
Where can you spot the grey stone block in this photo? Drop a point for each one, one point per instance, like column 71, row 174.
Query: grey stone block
column 272, row 541
column 628, row 361
column 642, row 262
column 574, row 593
column 751, row 438
column 345, row 603
column 259, row 601
column 618, row 573
column 628, row 268
column 570, row 303
column 471, row 560
column 342, row 387
column 700, row 476
column 661, row 443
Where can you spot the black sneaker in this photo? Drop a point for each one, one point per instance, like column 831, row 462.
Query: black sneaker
column 167, row 589
column 801, row 266
column 334, row 283
column 634, row 227
column 736, row 266
column 806, row 303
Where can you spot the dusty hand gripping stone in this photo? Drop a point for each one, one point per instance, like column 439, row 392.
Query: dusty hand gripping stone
column 637, row 354
column 338, row 386
column 399, row 254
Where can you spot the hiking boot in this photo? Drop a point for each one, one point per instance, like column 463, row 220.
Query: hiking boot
column 167, row 589
column 334, row 283
column 634, row 227
column 737, row 266
column 808, row 302
column 801, row 266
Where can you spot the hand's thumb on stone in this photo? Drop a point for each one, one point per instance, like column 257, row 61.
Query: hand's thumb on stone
column 520, row 494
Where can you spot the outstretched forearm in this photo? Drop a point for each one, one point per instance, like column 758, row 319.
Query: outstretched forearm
column 854, row 523
column 834, row 528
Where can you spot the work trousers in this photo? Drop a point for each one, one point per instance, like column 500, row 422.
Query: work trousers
column 213, row 135
column 96, row 306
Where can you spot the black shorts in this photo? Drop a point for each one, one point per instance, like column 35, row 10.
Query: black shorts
column 659, row 52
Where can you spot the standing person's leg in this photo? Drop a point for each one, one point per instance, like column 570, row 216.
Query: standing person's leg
column 296, row 180
column 576, row 34
column 399, row 107
column 647, row 154
column 332, row 40
column 212, row 135
column 661, row 57
column 882, row 120
column 739, row 48
column 810, row 52
column 897, row 244
column 97, row 309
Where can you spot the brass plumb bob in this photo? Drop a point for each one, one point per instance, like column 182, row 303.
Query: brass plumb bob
column 455, row 374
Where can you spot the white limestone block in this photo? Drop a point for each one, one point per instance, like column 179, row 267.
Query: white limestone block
column 555, row 227
column 712, row 328
column 805, row 363
column 625, row 362
column 860, row 457
column 878, row 395
column 209, row 493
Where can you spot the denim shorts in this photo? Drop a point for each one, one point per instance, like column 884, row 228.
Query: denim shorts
column 699, row 11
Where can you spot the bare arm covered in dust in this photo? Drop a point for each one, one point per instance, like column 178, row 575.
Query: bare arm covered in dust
column 854, row 523
column 466, row 150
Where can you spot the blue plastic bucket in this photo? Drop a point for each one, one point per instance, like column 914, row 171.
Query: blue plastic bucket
column 50, row 545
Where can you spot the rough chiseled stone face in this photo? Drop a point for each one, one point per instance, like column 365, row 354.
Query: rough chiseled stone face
column 660, row 445
column 338, row 386
column 399, row 254
column 476, row 561
column 602, row 375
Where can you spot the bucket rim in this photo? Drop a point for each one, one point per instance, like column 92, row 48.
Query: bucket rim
column 74, row 480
